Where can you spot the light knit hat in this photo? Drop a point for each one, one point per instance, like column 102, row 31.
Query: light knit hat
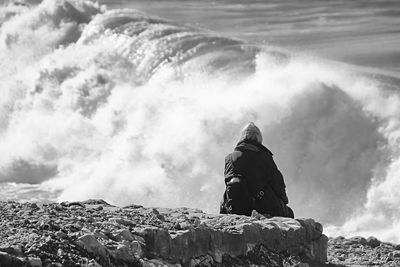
column 251, row 132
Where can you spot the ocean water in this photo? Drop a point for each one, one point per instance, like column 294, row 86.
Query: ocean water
column 139, row 102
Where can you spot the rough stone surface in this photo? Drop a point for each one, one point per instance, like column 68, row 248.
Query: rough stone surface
column 82, row 234
column 358, row 251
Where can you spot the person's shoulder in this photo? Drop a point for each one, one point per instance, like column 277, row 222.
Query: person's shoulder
column 234, row 156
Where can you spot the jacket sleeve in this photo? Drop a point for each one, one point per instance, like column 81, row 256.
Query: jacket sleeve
column 278, row 184
column 236, row 198
column 231, row 170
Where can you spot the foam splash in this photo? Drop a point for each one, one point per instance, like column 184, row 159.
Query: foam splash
column 133, row 109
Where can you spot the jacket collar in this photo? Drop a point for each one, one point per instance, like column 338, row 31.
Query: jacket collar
column 252, row 145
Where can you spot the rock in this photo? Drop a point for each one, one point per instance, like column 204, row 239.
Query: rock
column 122, row 221
column 9, row 260
column 70, row 204
column 95, row 202
column 279, row 234
column 133, row 206
column 136, row 248
column 158, row 215
column 59, row 207
column 13, row 250
column 123, row 234
column 34, row 206
column 205, row 260
column 93, row 263
column 123, row 253
column 395, row 254
column 259, row 216
column 61, row 234
column 35, row 262
column 90, row 244
column 358, row 240
column 373, row 242
column 79, row 235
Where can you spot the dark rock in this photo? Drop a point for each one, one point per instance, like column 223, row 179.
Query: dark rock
column 358, row 240
column 123, row 253
column 13, row 250
column 72, row 204
column 133, row 206
column 373, row 242
column 34, row 206
column 95, row 202
column 59, row 207
column 9, row 260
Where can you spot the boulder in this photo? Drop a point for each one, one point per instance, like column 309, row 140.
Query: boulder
column 155, row 237
column 90, row 244
column 373, row 242
column 235, row 235
column 10, row 260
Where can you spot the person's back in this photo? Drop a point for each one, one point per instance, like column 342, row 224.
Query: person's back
column 252, row 178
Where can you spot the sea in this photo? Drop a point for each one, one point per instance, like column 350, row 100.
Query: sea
column 140, row 101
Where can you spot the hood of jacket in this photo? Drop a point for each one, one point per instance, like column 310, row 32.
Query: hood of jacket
column 251, row 145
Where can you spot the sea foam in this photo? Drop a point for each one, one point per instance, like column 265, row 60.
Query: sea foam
column 119, row 105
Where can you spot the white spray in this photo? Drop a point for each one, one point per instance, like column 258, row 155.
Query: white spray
column 133, row 109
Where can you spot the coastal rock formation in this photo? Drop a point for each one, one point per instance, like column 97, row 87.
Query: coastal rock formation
column 95, row 233
column 360, row 251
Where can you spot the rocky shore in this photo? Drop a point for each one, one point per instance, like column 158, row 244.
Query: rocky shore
column 95, row 233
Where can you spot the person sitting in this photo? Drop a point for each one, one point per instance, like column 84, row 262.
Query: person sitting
column 252, row 179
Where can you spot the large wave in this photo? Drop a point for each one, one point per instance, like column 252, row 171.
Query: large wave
column 118, row 105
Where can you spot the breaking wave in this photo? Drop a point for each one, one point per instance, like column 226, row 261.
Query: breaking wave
column 118, row 105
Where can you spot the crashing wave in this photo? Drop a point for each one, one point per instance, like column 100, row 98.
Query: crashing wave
column 119, row 105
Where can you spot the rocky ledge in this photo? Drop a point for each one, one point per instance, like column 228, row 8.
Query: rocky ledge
column 95, row 233
column 359, row 251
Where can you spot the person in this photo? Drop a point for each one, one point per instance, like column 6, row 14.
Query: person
column 252, row 179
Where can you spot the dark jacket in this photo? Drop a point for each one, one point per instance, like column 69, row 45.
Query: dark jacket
column 253, row 164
